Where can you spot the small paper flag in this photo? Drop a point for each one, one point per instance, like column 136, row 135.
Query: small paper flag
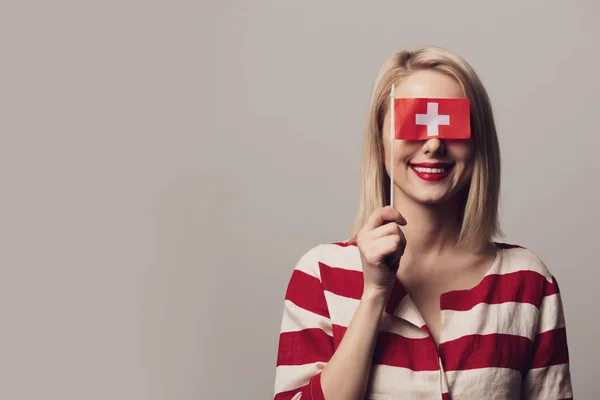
column 427, row 118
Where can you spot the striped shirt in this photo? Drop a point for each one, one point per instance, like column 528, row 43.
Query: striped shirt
column 505, row 338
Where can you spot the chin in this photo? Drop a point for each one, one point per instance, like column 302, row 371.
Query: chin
column 431, row 198
column 432, row 201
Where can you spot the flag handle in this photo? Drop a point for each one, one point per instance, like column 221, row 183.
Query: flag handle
column 392, row 134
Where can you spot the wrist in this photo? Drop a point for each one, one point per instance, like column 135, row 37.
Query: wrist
column 375, row 296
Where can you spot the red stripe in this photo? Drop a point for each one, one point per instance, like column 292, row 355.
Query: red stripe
column 304, row 347
column 486, row 351
column 316, row 390
column 426, row 329
column 341, row 281
column 397, row 294
column 307, row 292
column 350, row 284
column 313, row 388
column 287, row 395
column 398, row 351
column 521, row 286
column 338, row 334
column 446, row 396
column 345, row 244
column 550, row 348
column 551, row 288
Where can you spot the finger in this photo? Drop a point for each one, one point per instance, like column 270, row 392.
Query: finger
column 383, row 215
column 390, row 214
column 390, row 228
column 392, row 259
column 387, row 246
column 402, row 246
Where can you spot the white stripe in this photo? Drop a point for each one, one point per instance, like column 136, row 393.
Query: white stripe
column 347, row 258
column 309, row 264
column 289, row 377
column 342, row 310
column 553, row 382
column 484, row 383
column 520, row 259
column 393, row 324
column 340, row 257
column 297, row 318
column 407, row 310
column 391, row 383
column 551, row 313
column 443, row 377
column 506, row 318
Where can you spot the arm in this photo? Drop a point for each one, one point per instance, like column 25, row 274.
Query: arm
column 307, row 365
column 549, row 374
column 347, row 374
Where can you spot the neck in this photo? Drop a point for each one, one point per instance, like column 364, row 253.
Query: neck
column 431, row 229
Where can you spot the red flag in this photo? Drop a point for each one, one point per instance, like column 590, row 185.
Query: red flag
column 427, row 118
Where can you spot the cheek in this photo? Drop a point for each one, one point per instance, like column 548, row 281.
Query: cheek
column 402, row 149
column 462, row 152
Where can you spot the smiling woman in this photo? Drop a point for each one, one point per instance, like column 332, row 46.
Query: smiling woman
column 421, row 302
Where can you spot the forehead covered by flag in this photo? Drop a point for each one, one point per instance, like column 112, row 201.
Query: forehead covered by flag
column 427, row 118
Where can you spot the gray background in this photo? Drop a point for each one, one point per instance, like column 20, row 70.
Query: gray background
column 165, row 164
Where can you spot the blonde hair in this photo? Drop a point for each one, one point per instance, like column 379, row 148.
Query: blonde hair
column 480, row 207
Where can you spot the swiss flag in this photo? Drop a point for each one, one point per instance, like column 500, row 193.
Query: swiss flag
column 427, row 118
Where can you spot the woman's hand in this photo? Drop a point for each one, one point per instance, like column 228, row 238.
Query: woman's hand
column 381, row 244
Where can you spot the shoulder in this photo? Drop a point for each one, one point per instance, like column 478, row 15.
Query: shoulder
column 342, row 255
column 517, row 258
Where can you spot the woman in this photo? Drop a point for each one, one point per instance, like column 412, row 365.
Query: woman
column 421, row 303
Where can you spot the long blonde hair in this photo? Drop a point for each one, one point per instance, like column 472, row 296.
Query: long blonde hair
column 480, row 207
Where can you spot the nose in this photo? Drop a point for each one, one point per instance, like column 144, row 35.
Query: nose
column 434, row 147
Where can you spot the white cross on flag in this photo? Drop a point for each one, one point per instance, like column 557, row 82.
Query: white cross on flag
column 426, row 118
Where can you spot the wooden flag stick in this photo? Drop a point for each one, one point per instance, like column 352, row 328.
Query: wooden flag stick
column 392, row 134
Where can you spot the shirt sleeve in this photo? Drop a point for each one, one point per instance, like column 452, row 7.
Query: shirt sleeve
column 549, row 376
column 306, row 336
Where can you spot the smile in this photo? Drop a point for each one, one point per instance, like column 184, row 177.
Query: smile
column 431, row 171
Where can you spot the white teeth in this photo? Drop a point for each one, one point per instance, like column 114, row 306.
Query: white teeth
column 431, row 170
